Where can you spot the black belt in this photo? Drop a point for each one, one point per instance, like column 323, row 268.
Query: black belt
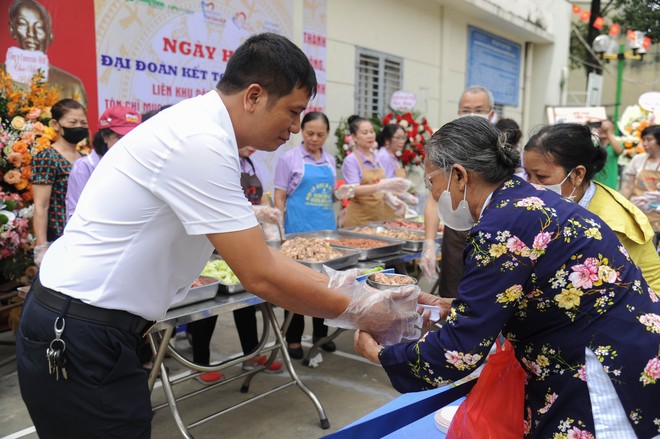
column 116, row 318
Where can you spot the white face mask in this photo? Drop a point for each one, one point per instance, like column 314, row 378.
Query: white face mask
column 481, row 115
column 459, row 219
column 557, row 187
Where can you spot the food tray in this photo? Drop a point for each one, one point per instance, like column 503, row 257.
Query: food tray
column 390, row 245
column 224, row 288
column 207, row 291
column 410, row 245
column 347, row 259
column 416, row 226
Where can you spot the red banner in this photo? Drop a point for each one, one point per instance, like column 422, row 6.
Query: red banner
column 58, row 37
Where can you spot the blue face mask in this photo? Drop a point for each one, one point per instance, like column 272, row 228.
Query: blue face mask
column 459, row 219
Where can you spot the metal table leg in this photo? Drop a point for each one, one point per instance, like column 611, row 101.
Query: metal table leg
column 267, row 308
column 315, row 347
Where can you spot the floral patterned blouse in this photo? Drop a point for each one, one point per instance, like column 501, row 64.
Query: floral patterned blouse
column 554, row 280
column 49, row 167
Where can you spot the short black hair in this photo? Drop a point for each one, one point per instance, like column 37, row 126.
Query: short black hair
column 63, row 106
column 570, row 145
column 314, row 115
column 388, row 132
column 511, row 130
column 652, row 130
column 98, row 142
column 271, row 61
column 354, row 122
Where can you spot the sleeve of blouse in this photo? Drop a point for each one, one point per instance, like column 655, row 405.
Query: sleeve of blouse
column 491, row 289
column 282, row 173
column 351, row 170
column 43, row 169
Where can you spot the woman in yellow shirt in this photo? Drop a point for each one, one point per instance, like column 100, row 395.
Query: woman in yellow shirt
column 564, row 158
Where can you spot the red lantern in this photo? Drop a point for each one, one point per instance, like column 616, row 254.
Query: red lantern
column 576, row 9
column 631, row 35
column 585, row 16
column 647, row 43
column 598, row 23
column 614, row 30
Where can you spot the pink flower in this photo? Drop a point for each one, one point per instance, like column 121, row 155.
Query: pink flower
column 15, row 159
column 514, row 244
column 34, row 114
column 653, row 296
column 584, row 275
column 453, row 358
column 542, row 240
column 576, row 433
column 652, row 368
column 28, row 136
column 582, row 374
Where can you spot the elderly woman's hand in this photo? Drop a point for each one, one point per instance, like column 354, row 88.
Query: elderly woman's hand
column 365, row 345
column 444, row 303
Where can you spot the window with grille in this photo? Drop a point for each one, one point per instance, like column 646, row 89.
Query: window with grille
column 378, row 76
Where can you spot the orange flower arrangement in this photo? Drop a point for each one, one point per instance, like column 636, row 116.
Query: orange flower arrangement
column 631, row 124
column 24, row 131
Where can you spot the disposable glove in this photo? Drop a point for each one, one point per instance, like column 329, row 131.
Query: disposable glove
column 396, row 184
column 389, row 315
column 266, row 214
column 429, row 259
column 395, row 203
column 39, row 252
column 345, row 192
column 408, row 198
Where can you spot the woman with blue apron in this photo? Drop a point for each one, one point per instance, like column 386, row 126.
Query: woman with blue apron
column 304, row 186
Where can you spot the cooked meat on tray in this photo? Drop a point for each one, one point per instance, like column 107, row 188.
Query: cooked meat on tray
column 407, row 235
column 383, row 278
column 309, row 249
column 409, row 224
column 358, row 243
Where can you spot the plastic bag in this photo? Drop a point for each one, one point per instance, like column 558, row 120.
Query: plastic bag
column 495, row 406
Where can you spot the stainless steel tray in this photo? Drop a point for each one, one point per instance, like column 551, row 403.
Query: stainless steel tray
column 347, row 259
column 391, row 226
column 390, row 245
column 201, row 293
column 410, row 245
column 227, row 288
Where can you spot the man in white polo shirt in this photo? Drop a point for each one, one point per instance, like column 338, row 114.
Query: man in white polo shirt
column 159, row 202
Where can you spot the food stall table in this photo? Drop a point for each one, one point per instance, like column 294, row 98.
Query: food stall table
column 411, row 415
column 161, row 334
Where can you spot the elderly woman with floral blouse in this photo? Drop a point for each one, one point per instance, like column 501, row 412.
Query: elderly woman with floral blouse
column 554, row 280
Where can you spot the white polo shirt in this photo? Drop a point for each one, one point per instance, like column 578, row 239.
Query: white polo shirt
column 137, row 239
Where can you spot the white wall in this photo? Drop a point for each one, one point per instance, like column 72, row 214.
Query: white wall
column 431, row 37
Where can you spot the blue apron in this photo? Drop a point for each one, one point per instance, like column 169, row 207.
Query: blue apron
column 310, row 207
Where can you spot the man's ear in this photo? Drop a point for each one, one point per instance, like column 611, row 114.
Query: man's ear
column 254, row 96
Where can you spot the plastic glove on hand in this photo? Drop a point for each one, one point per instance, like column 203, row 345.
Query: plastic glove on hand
column 428, row 261
column 266, row 214
column 389, row 315
column 39, row 252
column 408, row 198
column 345, row 192
column 396, row 184
column 395, row 203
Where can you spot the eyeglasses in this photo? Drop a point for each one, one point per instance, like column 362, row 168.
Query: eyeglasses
column 427, row 179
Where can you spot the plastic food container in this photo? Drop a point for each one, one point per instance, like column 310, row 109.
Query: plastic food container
column 444, row 416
